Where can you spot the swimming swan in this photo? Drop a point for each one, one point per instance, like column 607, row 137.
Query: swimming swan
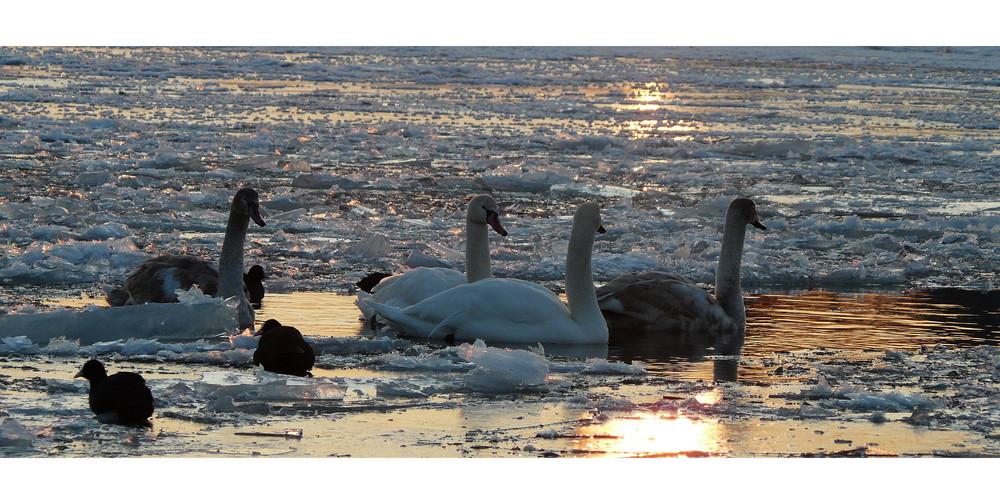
column 156, row 279
column 515, row 311
column 417, row 284
column 638, row 304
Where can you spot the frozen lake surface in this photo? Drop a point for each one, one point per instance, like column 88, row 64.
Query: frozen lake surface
column 874, row 169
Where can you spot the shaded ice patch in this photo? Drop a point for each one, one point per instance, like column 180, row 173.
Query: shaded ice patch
column 503, row 370
column 196, row 316
column 13, row 433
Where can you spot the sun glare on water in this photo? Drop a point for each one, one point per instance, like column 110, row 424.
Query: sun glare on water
column 651, row 434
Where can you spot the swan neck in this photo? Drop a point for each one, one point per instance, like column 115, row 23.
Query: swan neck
column 581, row 295
column 728, row 287
column 477, row 252
column 231, row 258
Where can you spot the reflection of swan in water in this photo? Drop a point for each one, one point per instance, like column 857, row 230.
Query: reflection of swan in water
column 510, row 310
column 418, row 284
column 674, row 310
column 983, row 306
column 653, row 353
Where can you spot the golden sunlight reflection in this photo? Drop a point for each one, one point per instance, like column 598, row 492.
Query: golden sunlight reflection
column 649, row 95
column 651, row 434
column 709, row 397
column 865, row 321
column 649, row 127
column 313, row 313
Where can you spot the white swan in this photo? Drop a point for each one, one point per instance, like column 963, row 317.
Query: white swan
column 157, row 279
column 515, row 311
column 640, row 304
column 418, row 284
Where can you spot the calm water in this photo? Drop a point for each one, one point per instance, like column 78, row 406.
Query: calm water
column 854, row 326
column 776, row 322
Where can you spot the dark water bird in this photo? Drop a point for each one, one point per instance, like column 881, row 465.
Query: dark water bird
column 371, row 280
column 282, row 349
column 676, row 310
column 253, row 280
column 122, row 398
column 157, row 279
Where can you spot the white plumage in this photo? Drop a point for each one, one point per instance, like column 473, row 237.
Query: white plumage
column 420, row 283
column 515, row 311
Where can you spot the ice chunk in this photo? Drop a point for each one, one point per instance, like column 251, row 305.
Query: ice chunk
column 270, row 387
column 503, row 370
column 197, row 316
column 601, row 366
column 315, row 181
column 14, row 434
column 525, row 178
column 601, row 191
column 374, row 247
column 420, row 259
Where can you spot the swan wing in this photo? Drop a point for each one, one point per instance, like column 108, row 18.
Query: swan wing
column 495, row 310
column 661, row 301
column 415, row 285
column 156, row 279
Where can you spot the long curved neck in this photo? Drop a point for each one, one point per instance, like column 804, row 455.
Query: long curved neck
column 231, row 258
column 728, row 288
column 581, row 295
column 477, row 252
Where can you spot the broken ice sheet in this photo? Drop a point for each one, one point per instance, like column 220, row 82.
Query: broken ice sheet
column 266, row 386
column 503, row 370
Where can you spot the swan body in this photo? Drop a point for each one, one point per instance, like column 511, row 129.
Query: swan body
column 660, row 303
column 157, row 279
column 122, row 398
column 420, row 283
column 516, row 311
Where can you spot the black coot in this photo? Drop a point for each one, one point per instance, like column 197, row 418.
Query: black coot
column 253, row 281
column 369, row 282
column 122, row 398
column 282, row 349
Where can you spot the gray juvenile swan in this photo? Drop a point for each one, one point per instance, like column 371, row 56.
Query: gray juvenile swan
column 157, row 279
column 417, row 284
column 641, row 304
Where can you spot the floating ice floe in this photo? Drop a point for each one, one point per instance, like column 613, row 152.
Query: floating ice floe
column 502, row 370
column 196, row 316
column 14, row 434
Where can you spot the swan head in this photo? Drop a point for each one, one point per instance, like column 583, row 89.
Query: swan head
column 483, row 209
column 746, row 211
column 589, row 214
column 247, row 202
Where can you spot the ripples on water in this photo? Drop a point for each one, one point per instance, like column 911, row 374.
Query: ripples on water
column 776, row 322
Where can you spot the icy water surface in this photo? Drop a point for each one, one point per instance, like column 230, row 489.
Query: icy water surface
column 874, row 169
column 822, row 373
